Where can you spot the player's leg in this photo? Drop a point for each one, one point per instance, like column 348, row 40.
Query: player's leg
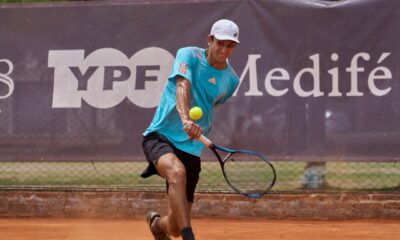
column 172, row 169
column 182, row 173
column 192, row 165
column 154, row 147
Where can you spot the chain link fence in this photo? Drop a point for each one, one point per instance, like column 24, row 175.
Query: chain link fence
column 291, row 176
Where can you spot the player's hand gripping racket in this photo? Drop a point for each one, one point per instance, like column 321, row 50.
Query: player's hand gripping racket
column 247, row 172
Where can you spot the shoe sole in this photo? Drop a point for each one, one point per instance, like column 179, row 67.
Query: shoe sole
column 151, row 216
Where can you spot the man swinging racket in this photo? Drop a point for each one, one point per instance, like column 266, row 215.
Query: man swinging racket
column 199, row 77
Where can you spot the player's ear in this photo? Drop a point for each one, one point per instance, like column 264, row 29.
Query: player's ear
column 210, row 39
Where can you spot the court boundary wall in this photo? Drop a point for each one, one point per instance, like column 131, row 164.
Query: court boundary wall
column 131, row 204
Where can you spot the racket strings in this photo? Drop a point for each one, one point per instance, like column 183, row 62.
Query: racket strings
column 248, row 173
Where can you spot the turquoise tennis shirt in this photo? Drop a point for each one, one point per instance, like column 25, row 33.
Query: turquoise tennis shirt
column 209, row 88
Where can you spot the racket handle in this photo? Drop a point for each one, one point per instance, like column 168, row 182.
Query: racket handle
column 207, row 142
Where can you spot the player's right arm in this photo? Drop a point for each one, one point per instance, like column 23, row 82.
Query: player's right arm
column 183, row 105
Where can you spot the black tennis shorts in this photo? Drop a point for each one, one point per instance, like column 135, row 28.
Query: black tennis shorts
column 155, row 145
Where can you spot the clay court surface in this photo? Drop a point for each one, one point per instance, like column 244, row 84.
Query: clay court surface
column 206, row 229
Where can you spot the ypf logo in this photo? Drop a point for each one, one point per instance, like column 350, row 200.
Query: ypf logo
column 107, row 76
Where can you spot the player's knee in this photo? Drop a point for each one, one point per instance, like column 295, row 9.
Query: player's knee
column 177, row 176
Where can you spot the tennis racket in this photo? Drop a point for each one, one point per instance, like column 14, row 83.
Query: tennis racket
column 246, row 172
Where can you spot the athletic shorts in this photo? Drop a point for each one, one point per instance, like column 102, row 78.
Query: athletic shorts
column 155, row 145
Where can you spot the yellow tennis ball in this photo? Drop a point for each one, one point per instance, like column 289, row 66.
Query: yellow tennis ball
column 195, row 113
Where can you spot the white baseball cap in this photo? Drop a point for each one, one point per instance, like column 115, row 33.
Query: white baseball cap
column 225, row 29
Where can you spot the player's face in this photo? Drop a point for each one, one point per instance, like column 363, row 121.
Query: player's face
column 220, row 50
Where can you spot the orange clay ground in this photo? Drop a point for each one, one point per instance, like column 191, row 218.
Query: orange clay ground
column 205, row 229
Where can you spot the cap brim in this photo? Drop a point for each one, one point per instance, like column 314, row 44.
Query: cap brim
column 224, row 37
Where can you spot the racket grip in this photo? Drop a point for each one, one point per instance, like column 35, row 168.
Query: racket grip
column 207, row 142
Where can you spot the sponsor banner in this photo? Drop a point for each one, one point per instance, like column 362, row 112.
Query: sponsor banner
column 317, row 78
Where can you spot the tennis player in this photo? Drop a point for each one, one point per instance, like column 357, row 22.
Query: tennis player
column 199, row 77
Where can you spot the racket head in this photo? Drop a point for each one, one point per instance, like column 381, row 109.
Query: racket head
column 248, row 173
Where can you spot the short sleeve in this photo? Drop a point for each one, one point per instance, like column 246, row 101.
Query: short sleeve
column 183, row 64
